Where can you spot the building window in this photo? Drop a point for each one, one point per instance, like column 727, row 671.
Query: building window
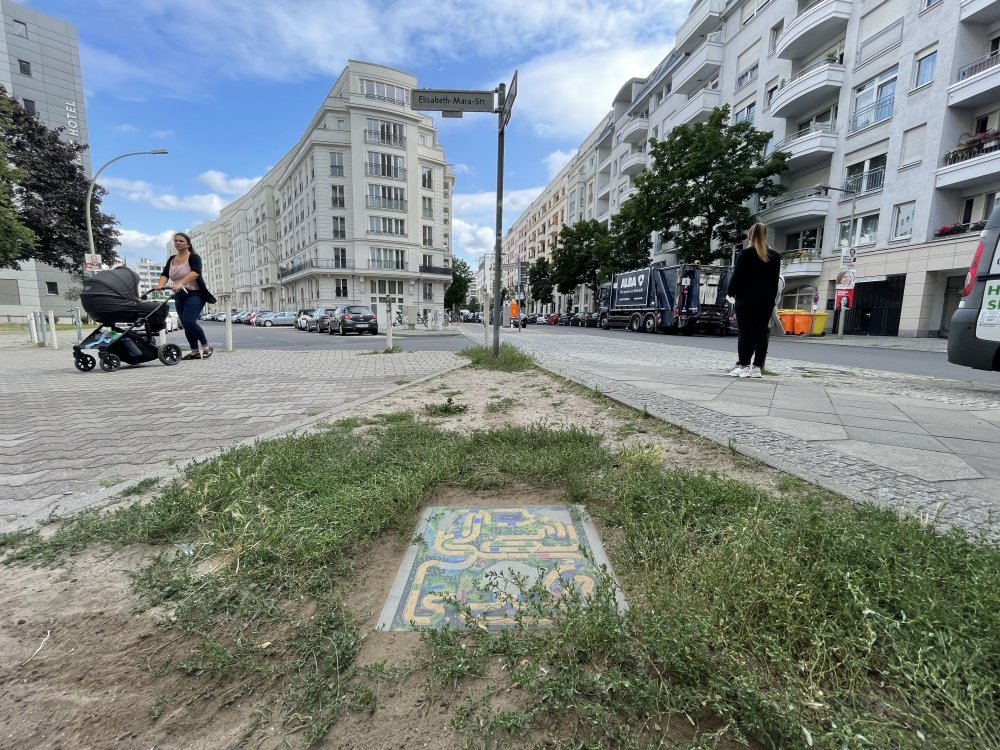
column 29, row 105
column 775, row 33
column 428, row 292
column 21, row 29
column 387, row 257
column 924, row 69
column 428, row 260
column 806, row 241
column 387, row 196
column 386, row 165
column 24, row 67
column 52, row 287
column 746, row 114
column 385, row 92
column 428, row 238
column 866, row 176
column 337, row 196
column 873, row 100
column 902, row 222
column 341, row 288
column 747, row 76
column 339, row 227
column 750, row 9
column 336, row 163
column 386, row 225
column 769, row 95
column 340, row 257
column 386, row 132
column 864, row 232
column 913, row 145
column 427, row 178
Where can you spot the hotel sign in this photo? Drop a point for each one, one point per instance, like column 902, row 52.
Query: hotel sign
column 446, row 100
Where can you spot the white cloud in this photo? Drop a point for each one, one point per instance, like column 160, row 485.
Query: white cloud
column 220, row 182
column 556, row 161
column 136, row 245
column 161, row 134
column 205, row 205
column 126, row 128
column 461, row 169
column 474, row 225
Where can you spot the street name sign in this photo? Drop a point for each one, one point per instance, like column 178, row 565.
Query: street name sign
column 448, row 100
column 508, row 102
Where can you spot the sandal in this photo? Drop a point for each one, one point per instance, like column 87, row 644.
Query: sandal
column 192, row 355
column 206, row 353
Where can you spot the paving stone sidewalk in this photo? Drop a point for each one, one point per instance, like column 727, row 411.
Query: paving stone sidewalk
column 66, row 435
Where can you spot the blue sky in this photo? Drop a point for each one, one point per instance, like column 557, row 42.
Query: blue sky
column 228, row 87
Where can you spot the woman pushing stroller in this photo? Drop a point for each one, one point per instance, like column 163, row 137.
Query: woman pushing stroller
column 184, row 271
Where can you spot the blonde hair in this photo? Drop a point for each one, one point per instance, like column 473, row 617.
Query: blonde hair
column 758, row 240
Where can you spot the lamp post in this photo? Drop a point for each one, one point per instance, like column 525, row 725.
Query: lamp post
column 850, row 239
column 90, row 191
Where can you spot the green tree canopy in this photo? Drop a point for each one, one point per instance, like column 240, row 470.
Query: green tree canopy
column 630, row 239
column 16, row 240
column 47, row 188
column 461, row 278
column 582, row 250
column 700, row 177
column 540, row 281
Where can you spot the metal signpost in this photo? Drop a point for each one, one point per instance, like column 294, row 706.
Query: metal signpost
column 454, row 103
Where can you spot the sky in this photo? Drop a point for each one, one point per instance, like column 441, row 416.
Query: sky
column 229, row 86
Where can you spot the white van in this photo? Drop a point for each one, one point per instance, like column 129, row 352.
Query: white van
column 974, row 334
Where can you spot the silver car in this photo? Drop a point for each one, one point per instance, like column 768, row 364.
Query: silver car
column 278, row 319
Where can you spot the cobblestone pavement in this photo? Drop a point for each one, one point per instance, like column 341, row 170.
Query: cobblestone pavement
column 66, row 436
column 925, row 446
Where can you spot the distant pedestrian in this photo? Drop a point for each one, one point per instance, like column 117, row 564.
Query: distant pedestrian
column 184, row 271
column 754, row 286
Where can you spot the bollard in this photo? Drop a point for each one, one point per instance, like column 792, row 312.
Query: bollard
column 32, row 333
column 388, row 324
column 77, row 317
column 52, row 327
column 229, row 327
column 43, row 339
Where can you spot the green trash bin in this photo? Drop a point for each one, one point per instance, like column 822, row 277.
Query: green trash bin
column 819, row 323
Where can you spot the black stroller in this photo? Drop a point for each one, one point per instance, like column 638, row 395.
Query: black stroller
column 109, row 298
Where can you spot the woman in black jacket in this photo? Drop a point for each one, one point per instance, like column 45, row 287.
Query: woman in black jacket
column 184, row 270
column 754, row 285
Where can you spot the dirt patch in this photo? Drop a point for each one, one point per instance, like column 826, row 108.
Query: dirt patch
column 81, row 658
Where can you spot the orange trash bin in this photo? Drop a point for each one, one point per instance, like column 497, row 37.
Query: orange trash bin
column 802, row 322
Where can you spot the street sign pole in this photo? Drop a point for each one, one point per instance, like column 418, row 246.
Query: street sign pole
column 502, row 90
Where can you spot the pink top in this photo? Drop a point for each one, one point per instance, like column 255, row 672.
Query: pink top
column 178, row 271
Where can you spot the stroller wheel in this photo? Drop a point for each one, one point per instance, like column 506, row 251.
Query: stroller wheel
column 85, row 363
column 169, row 354
column 110, row 363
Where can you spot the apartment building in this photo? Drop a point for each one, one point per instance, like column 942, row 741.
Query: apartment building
column 891, row 113
column 40, row 67
column 358, row 211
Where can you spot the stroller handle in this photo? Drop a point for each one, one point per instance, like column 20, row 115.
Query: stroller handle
column 150, row 291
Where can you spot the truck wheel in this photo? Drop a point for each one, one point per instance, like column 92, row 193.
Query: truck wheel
column 649, row 324
column 635, row 323
column 604, row 323
column 687, row 330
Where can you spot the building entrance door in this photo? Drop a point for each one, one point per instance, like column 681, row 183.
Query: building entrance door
column 952, row 296
column 877, row 308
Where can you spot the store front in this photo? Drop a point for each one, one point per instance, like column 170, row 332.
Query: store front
column 877, row 308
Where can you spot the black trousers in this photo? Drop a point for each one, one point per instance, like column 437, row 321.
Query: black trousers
column 752, row 319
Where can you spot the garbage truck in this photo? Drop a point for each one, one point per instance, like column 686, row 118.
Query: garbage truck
column 669, row 299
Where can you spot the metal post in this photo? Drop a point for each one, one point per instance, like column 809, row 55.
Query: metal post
column 842, row 317
column 43, row 338
column 229, row 325
column 77, row 316
column 52, row 325
column 502, row 91
column 32, row 333
column 388, row 324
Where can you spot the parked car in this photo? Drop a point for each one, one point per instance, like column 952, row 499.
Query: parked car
column 239, row 315
column 564, row 319
column 302, row 320
column 588, row 319
column 320, row 319
column 251, row 319
column 974, row 332
column 353, row 318
column 553, row 319
column 277, row 319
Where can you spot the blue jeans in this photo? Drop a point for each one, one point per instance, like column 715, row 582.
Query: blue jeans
column 189, row 307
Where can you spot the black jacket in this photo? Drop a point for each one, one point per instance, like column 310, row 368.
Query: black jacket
column 753, row 280
column 194, row 260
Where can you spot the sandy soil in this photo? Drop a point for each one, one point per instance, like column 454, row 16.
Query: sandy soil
column 78, row 652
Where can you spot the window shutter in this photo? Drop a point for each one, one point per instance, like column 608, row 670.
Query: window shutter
column 913, row 145
column 748, row 57
column 884, row 15
column 867, row 152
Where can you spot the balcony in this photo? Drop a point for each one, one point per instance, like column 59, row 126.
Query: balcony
column 701, row 65
column 795, row 207
column 703, row 18
column 979, row 12
column 379, row 170
column 603, row 186
column 978, row 83
column 385, row 203
column 385, row 139
column 864, row 182
column 314, row 264
column 970, row 166
column 387, row 264
column 871, row 114
column 809, row 147
column 698, row 108
column 635, row 162
column 636, row 130
column 441, row 270
column 813, row 28
column 801, row 265
column 808, row 89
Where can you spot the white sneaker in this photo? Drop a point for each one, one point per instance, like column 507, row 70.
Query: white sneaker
column 751, row 372
column 740, row 372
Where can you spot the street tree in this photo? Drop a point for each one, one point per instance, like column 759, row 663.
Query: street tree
column 461, row 279
column 16, row 240
column 699, row 180
column 540, row 281
column 581, row 251
column 630, row 243
column 47, row 189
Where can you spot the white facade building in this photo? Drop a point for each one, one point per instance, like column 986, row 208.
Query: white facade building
column 896, row 104
column 40, row 67
column 359, row 211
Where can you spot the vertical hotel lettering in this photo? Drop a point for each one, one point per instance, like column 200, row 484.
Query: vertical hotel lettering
column 72, row 124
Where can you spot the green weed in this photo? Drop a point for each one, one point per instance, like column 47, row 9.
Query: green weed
column 447, row 409
column 511, row 358
column 499, row 405
column 140, row 487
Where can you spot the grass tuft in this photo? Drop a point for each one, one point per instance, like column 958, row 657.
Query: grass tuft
column 511, row 358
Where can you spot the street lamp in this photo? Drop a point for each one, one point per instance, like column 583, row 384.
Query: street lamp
column 90, row 191
column 850, row 240
column 274, row 257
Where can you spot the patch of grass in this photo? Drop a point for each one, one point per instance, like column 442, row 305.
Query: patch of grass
column 394, row 349
column 499, row 405
column 401, row 381
column 111, row 481
column 511, row 358
column 447, row 409
column 140, row 487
